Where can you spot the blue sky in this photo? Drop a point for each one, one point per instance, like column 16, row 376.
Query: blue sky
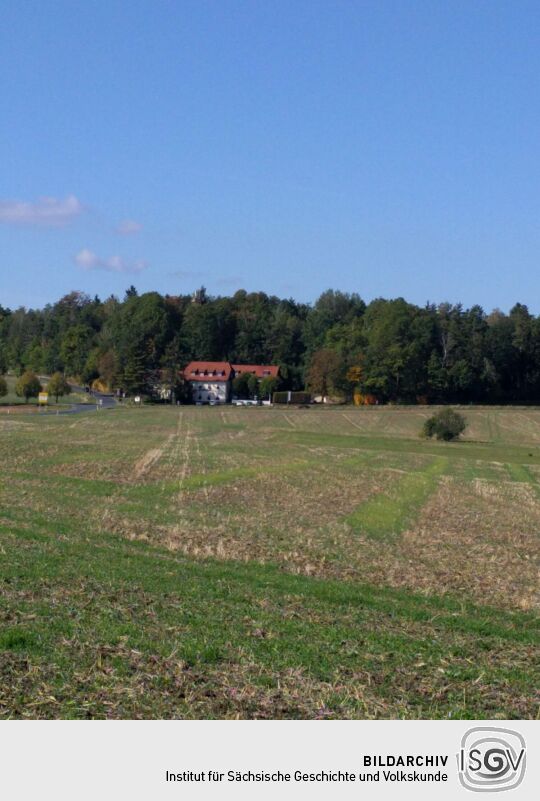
column 387, row 148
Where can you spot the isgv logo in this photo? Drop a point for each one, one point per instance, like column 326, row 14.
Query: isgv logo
column 491, row 759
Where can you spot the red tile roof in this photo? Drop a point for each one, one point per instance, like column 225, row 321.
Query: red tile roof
column 208, row 371
column 260, row 370
column 221, row 371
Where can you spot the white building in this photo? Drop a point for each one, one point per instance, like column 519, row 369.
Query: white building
column 210, row 381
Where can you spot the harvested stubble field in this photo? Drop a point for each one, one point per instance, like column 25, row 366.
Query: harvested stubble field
column 267, row 563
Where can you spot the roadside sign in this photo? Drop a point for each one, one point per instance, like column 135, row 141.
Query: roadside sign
column 43, row 398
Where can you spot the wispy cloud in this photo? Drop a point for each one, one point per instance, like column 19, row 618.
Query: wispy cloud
column 128, row 227
column 46, row 211
column 88, row 260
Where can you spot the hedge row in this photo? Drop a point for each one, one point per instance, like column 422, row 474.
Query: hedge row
column 291, row 397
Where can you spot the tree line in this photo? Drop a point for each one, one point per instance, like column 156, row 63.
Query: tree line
column 387, row 350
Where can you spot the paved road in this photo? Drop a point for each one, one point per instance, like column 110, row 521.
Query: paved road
column 100, row 401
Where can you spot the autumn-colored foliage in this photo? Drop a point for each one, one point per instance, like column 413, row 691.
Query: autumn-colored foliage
column 28, row 386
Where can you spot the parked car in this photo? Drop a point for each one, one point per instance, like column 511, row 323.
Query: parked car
column 245, row 402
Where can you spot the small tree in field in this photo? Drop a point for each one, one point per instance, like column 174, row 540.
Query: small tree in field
column 28, row 386
column 268, row 386
column 58, row 386
column 446, row 425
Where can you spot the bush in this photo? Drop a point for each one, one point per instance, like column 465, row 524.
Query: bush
column 3, row 387
column 446, row 425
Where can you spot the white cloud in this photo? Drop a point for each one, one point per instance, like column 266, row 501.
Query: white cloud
column 115, row 264
column 128, row 227
column 86, row 259
column 46, row 211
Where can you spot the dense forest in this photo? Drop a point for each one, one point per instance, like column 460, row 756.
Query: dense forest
column 390, row 350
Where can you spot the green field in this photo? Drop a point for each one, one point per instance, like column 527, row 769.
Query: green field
column 265, row 563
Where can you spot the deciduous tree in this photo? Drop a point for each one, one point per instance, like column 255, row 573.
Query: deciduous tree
column 325, row 372
column 58, row 386
column 268, row 386
column 28, row 386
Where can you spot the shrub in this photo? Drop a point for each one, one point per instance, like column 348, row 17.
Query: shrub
column 446, row 425
column 3, row 387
